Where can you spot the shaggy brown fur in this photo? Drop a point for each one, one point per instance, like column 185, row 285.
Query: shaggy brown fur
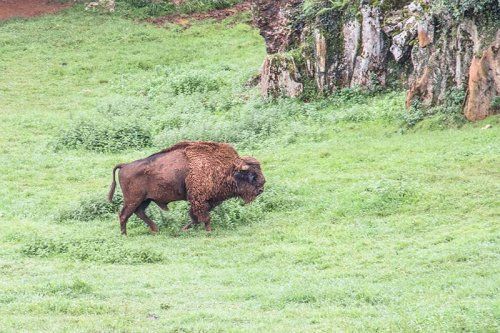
column 203, row 173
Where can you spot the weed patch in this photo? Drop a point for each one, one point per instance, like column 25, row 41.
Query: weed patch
column 106, row 250
column 91, row 208
column 101, row 136
column 148, row 8
column 73, row 288
column 447, row 115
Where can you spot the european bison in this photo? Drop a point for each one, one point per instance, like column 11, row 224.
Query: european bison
column 203, row 173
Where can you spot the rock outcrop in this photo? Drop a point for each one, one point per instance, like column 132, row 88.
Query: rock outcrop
column 279, row 77
column 484, row 83
column 332, row 45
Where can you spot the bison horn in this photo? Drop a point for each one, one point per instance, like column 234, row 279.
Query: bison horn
column 245, row 167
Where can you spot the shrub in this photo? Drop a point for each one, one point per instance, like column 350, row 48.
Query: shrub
column 495, row 103
column 103, row 136
column 135, row 108
column 447, row 115
column 121, row 124
column 193, row 82
column 145, row 8
column 460, row 8
column 248, row 124
column 90, row 209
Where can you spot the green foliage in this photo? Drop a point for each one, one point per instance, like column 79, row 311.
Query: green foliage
column 461, row 8
column 106, row 250
column 495, row 103
column 449, row 114
column 194, row 82
column 71, row 289
column 102, row 136
column 312, row 9
column 146, row 8
column 91, row 208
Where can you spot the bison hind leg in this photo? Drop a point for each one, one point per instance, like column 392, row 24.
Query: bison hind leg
column 141, row 213
column 125, row 214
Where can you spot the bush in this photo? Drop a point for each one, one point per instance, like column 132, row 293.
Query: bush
column 449, row 114
column 90, row 209
column 249, row 125
column 121, row 124
column 193, row 82
column 101, row 136
column 145, row 8
column 181, row 104
column 460, row 8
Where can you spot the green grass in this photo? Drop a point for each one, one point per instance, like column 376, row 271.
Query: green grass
column 146, row 8
column 365, row 226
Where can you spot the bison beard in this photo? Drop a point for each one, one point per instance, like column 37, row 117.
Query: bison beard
column 203, row 173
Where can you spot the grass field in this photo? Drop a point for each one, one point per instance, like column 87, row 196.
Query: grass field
column 365, row 225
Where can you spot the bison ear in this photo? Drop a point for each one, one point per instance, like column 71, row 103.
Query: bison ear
column 241, row 166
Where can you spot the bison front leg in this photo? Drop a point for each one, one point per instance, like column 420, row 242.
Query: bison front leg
column 194, row 220
column 199, row 213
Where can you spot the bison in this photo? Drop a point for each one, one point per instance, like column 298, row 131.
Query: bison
column 203, row 173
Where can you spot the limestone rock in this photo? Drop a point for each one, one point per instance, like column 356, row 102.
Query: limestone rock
column 273, row 18
column 370, row 65
column 484, row 83
column 279, row 77
column 442, row 62
column 340, row 44
column 106, row 5
column 351, row 32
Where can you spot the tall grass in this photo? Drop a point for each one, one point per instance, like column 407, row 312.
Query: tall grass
column 147, row 8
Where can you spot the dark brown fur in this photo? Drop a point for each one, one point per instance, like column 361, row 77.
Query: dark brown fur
column 203, row 173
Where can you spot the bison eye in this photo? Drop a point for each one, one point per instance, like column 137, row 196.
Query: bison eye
column 246, row 176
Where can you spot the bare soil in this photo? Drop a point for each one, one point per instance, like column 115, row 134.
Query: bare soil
column 29, row 8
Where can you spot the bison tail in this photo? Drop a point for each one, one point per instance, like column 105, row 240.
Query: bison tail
column 112, row 187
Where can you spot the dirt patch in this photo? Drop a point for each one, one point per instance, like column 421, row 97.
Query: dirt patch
column 29, row 8
column 217, row 14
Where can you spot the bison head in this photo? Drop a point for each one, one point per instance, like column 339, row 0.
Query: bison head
column 249, row 178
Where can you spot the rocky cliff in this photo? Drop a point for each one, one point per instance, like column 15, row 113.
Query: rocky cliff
column 432, row 48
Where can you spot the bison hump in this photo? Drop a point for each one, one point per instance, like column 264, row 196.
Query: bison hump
column 210, row 164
